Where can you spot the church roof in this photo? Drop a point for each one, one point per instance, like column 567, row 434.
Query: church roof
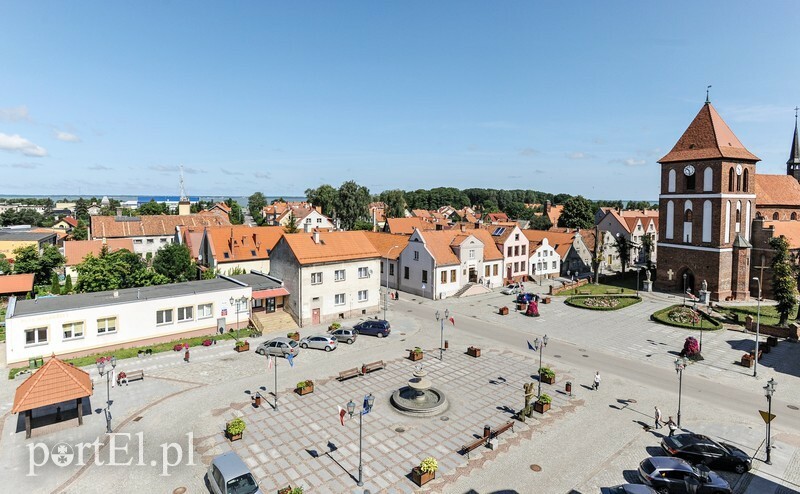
column 794, row 154
column 708, row 137
column 777, row 190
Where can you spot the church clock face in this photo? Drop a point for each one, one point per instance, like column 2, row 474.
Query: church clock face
column 688, row 170
column 738, row 169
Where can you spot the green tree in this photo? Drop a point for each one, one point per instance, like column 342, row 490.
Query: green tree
column 209, row 274
column 67, row 285
column 352, row 204
column 541, row 223
column 784, row 283
column 80, row 232
column 152, row 208
column 235, row 216
column 174, row 261
column 291, row 226
column 648, row 245
column 624, row 251
column 363, row 225
column 5, row 265
column 395, row 202
column 55, row 286
column 324, row 197
column 578, row 213
column 28, row 260
column 255, row 203
column 82, row 209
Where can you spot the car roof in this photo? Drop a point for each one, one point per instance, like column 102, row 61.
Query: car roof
column 230, row 465
column 282, row 339
column 326, row 336
column 669, row 462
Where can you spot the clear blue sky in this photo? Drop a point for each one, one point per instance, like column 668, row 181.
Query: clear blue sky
column 576, row 97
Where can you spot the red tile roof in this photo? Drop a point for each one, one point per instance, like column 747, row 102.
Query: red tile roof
column 16, row 283
column 152, row 225
column 777, row 190
column 332, row 247
column 55, row 382
column 388, row 244
column 76, row 250
column 708, row 137
column 789, row 229
column 407, row 225
column 243, row 243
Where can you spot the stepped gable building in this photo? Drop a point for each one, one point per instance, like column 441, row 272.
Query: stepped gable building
column 717, row 215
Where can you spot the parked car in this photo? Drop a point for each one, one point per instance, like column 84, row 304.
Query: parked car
column 320, row 342
column 510, row 289
column 279, row 346
column 699, row 449
column 228, row 474
column 628, row 489
column 344, row 334
column 374, row 327
column 668, row 475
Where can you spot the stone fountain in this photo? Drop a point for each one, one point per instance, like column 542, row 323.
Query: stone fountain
column 419, row 398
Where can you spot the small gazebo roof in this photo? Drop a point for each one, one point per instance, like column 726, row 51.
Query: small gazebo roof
column 55, row 382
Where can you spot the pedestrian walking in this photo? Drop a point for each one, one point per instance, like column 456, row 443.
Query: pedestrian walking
column 672, row 426
column 186, row 356
column 596, row 384
column 658, row 418
column 396, row 295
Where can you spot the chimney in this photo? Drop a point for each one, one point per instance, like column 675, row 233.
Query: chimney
column 463, row 228
column 119, row 212
column 547, row 206
column 307, row 228
column 316, row 237
column 116, row 293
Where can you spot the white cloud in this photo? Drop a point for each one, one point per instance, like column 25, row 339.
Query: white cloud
column 17, row 114
column 100, row 167
column 163, row 168
column 262, row 175
column 629, row 162
column 27, row 165
column 66, row 136
column 528, row 152
column 577, row 155
column 193, row 171
column 18, row 144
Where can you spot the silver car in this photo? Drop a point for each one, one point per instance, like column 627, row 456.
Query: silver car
column 228, row 474
column 320, row 342
column 346, row 335
column 280, row 346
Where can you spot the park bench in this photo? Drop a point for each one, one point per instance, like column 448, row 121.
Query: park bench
column 347, row 374
column 584, row 292
column 367, row 368
column 503, row 428
column 615, row 291
column 131, row 376
column 467, row 448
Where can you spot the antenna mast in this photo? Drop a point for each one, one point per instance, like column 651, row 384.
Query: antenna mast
column 183, row 189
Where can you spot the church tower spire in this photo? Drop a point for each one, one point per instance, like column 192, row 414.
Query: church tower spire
column 793, row 163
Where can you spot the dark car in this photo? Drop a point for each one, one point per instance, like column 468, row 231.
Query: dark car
column 628, row 489
column 702, row 450
column 374, row 327
column 669, row 475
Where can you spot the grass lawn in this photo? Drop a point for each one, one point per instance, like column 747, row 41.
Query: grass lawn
column 580, row 301
column 769, row 315
column 600, row 289
column 3, row 324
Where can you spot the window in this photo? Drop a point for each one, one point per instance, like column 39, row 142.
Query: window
column 308, row 220
column 687, row 215
column 363, row 272
column 185, row 313
column 793, row 216
column 241, row 304
column 539, row 254
column 137, row 241
column 523, row 249
column 472, row 254
column 338, row 275
column 730, row 180
column 163, row 240
column 319, row 220
column 775, row 216
column 745, row 180
column 487, row 271
column 107, row 325
column 150, row 240
column 509, row 251
column 72, row 330
column 690, row 181
column 362, row 295
column 424, row 275
column 382, row 263
column 391, row 269
column 452, row 276
column 36, row 336
column 516, row 236
column 405, row 272
column 708, row 179
column 416, row 255
column 738, row 182
column 516, row 250
column 204, row 311
column 444, row 276
column 554, row 264
column 316, row 278
column 164, row 316
column 338, row 299
column 494, row 270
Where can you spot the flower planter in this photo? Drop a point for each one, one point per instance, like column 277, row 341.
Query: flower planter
column 474, row 351
column 541, row 407
column 747, row 360
column 294, row 336
column 547, row 380
column 305, row 390
column 233, row 437
column 257, row 400
column 568, row 387
column 285, row 490
column 414, row 356
column 772, row 340
column 503, row 311
column 421, row 478
column 546, row 300
column 522, row 307
column 242, row 348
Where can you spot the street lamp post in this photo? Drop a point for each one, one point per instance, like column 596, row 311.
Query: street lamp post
column 235, row 305
column 540, row 344
column 365, row 409
column 680, row 364
column 638, row 269
column 441, row 334
column 386, row 293
column 758, row 326
column 684, row 288
column 102, row 369
column 769, row 390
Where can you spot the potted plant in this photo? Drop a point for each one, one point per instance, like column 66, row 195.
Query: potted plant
column 207, row 342
column 425, row 472
column 772, row 340
column 415, row 354
column 234, row 429
column 304, row 387
column 242, row 346
column 503, row 311
column 547, row 375
column 140, row 353
column 474, row 351
column 334, row 326
column 294, row 335
column 543, row 403
column 747, row 360
column 178, row 347
column 290, row 490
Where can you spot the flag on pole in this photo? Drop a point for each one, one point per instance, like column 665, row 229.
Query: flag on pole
column 269, row 362
column 342, row 414
column 452, row 321
column 290, row 358
column 531, row 347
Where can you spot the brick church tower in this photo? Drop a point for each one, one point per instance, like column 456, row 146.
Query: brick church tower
column 705, row 208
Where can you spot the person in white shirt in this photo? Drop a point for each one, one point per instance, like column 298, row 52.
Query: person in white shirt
column 596, row 381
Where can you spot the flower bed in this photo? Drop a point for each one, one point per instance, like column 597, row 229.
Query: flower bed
column 602, row 302
column 684, row 317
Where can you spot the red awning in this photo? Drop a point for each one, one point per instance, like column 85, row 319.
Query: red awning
column 271, row 293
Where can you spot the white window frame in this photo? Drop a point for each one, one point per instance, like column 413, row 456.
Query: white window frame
column 339, row 299
column 241, row 305
column 339, row 275
column 103, row 325
column 164, row 322
column 363, row 295
column 416, row 255
column 316, row 276
column 36, row 332
column 73, row 325
column 363, row 272
column 201, row 311
column 184, row 309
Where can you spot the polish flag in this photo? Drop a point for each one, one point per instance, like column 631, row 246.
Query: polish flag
column 269, row 362
column 342, row 414
column 452, row 321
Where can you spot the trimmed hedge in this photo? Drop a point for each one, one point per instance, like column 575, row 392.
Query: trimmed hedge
column 624, row 301
column 662, row 317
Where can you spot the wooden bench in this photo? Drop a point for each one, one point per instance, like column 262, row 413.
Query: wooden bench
column 367, row 368
column 503, row 428
column 465, row 449
column 615, row 291
column 131, row 376
column 347, row 374
column 584, row 292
